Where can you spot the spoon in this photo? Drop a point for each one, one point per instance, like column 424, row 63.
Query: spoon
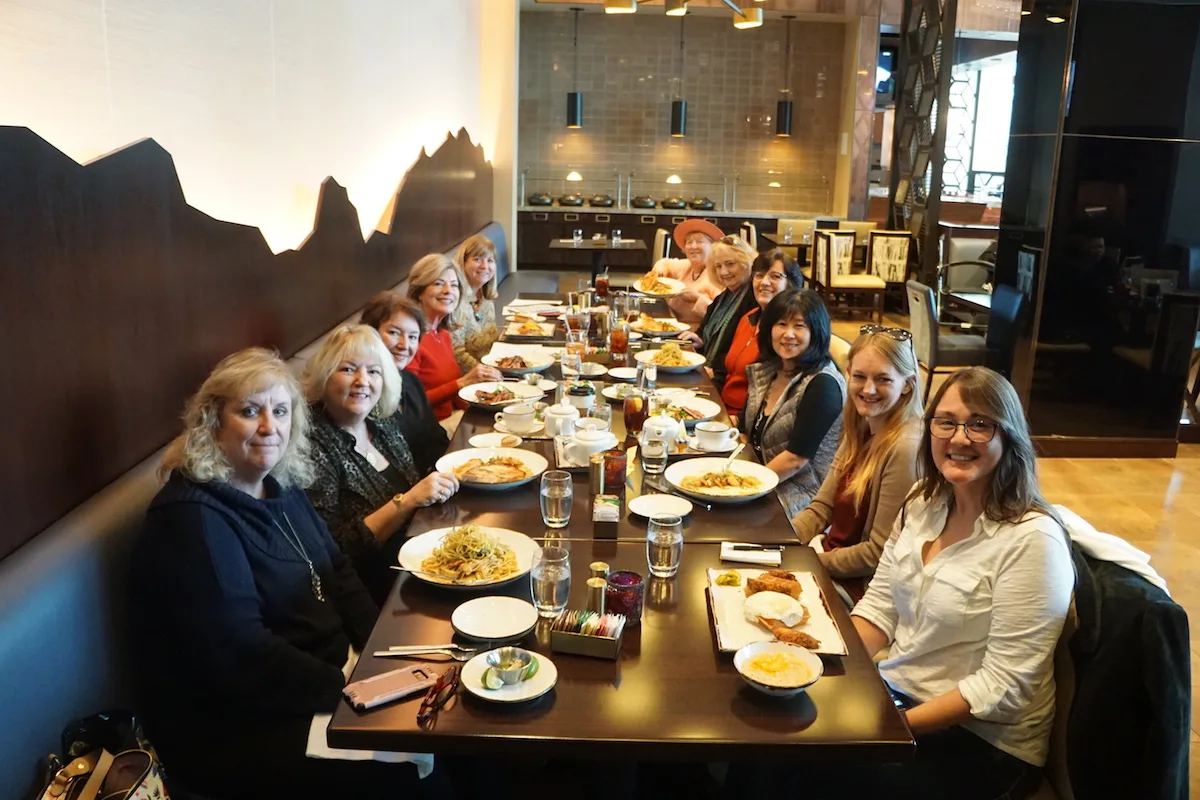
column 729, row 461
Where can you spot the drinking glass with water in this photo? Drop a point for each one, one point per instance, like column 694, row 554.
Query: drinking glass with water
column 653, row 451
column 557, row 497
column 664, row 544
column 551, row 580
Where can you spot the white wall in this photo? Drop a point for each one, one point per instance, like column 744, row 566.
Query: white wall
column 260, row 100
column 499, row 32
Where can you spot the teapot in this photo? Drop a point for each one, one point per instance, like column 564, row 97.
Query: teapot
column 560, row 419
column 662, row 427
column 588, row 441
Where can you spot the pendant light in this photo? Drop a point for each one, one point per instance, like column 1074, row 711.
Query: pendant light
column 676, row 8
column 620, row 6
column 575, row 97
column 783, row 109
column 679, row 105
column 750, row 18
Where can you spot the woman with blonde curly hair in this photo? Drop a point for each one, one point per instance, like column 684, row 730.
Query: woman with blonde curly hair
column 368, row 484
column 476, row 318
column 244, row 609
column 876, row 463
column 729, row 264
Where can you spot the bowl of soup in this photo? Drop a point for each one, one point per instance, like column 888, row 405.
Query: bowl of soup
column 778, row 669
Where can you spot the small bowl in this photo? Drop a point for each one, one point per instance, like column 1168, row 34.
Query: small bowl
column 810, row 659
column 517, row 659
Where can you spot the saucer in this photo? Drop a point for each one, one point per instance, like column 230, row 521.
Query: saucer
column 500, row 427
column 649, row 505
column 695, row 445
column 547, row 385
column 538, row 685
column 494, row 618
column 495, row 439
column 623, row 373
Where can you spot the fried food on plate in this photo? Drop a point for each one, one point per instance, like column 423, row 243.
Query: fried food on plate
column 785, row 634
column 501, row 469
column 768, row 582
column 650, row 284
column 500, row 394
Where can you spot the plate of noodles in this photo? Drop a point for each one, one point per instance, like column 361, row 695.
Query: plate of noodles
column 659, row 287
column 706, row 479
column 476, row 555
column 658, row 326
column 493, row 468
column 670, row 358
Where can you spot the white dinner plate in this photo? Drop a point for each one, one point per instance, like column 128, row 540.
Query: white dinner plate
column 537, row 366
column 523, row 391
column 734, row 631
column 649, row 505
column 513, row 331
column 677, row 287
column 536, row 464
column 694, row 360
column 535, row 687
column 707, row 409
column 623, row 373
column 698, row 466
column 494, row 618
column 418, row 548
column 590, row 369
column 674, row 394
column 495, row 440
column 678, row 328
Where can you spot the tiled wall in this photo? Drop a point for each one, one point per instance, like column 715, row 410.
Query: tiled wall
column 628, row 68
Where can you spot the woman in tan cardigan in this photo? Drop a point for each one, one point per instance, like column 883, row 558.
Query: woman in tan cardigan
column 876, row 462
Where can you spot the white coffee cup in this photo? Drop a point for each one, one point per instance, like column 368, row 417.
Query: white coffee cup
column 518, row 418
column 714, row 435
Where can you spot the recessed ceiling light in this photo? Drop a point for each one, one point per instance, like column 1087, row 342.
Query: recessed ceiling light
column 1054, row 20
column 774, row 185
column 750, row 18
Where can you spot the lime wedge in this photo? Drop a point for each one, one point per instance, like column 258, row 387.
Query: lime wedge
column 491, row 680
column 531, row 670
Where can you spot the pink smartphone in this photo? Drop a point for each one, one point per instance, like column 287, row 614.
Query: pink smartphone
column 390, row 686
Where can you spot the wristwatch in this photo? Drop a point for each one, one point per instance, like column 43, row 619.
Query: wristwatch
column 397, row 500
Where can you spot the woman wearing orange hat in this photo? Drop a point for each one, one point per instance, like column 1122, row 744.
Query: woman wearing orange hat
column 694, row 238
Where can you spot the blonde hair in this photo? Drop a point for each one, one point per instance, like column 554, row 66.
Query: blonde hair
column 427, row 270
column 735, row 245
column 481, row 246
column 1012, row 490
column 344, row 344
column 195, row 452
column 861, row 451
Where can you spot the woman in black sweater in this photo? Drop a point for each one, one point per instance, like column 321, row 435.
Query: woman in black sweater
column 401, row 324
column 244, row 609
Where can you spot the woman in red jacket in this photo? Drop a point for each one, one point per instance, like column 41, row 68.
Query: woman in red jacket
column 770, row 274
column 435, row 283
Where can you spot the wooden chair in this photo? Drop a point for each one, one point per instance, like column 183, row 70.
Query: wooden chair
column 838, row 278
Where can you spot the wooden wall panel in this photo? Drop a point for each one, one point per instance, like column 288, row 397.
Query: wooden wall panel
column 117, row 298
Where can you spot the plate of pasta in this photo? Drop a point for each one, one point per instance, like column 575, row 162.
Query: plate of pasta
column 474, row 555
column 493, row 468
column 658, row 286
column 706, row 479
column 671, row 358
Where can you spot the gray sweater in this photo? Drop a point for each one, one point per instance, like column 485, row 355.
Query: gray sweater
column 798, row 491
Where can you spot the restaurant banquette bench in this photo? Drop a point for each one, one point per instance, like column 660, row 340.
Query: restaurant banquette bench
column 64, row 650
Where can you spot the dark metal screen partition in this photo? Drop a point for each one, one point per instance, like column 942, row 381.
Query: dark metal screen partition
column 919, row 146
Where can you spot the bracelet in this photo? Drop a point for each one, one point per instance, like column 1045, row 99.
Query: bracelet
column 397, row 500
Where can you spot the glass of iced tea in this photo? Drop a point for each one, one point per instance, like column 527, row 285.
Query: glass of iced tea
column 602, row 286
column 635, row 412
column 618, row 340
column 576, row 343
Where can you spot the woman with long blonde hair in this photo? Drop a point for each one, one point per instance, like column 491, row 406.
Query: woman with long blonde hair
column 876, row 461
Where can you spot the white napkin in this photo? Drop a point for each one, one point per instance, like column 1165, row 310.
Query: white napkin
column 767, row 558
column 1107, row 547
column 530, row 302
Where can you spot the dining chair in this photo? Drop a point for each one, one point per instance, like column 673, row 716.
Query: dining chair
column 887, row 255
column 838, row 278
column 750, row 234
column 934, row 350
column 1001, row 338
column 662, row 246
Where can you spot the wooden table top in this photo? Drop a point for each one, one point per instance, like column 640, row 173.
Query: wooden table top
column 597, row 244
column 670, row 696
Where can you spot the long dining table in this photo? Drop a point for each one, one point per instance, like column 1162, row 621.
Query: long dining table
column 671, row 695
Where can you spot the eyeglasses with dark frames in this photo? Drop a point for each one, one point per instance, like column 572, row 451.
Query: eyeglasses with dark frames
column 438, row 696
column 978, row 430
column 899, row 334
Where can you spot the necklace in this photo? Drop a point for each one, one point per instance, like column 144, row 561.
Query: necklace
column 298, row 546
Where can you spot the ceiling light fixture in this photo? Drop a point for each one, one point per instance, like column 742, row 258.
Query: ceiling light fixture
column 1055, row 20
column 620, row 6
column 676, row 8
column 673, row 179
column 574, row 176
column 783, row 109
column 575, row 97
column 750, row 18
column 679, row 105
column 774, row 185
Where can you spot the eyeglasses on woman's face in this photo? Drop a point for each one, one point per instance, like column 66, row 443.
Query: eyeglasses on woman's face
column 978, row 430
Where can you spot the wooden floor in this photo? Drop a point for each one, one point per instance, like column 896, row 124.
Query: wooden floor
column 1152, row 503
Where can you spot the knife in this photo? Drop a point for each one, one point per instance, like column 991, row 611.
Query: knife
column 664, row 490
column 766, row 548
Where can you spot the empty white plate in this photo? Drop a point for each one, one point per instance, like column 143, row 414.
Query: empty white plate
column 623, row 373
column 494, row 618
column 649, row 505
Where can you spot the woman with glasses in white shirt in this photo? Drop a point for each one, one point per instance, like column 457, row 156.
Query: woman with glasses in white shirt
column 971, row 594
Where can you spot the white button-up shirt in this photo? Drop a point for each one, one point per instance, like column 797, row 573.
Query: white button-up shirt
column 983, row 616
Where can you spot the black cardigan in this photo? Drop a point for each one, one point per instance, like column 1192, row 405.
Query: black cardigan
column 228, row 633
column 717, row 340
column 426, row 438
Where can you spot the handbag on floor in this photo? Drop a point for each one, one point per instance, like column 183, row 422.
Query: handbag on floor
column 105, row 757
